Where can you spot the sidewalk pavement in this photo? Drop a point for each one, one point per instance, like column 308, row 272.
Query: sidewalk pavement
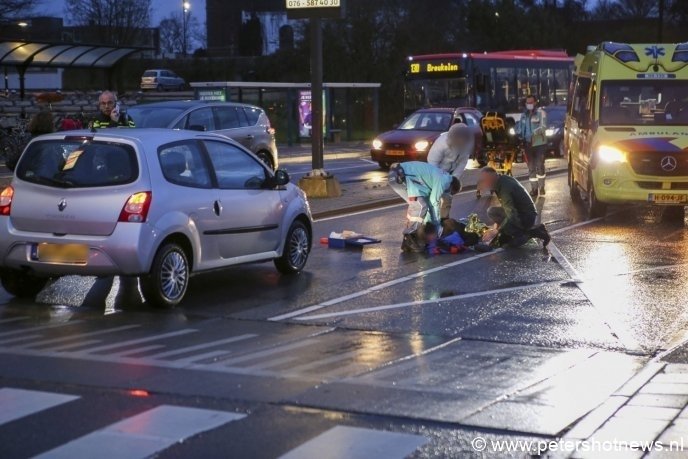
column 649, row 411
column 302, row 152
column 358, row 196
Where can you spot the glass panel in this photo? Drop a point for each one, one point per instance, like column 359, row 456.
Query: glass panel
column 77, row 164
column 92, row 56
column 182, row 164
column 641, row 102
column 234, row 169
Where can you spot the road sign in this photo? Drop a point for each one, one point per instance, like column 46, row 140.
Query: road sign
column 309, row 9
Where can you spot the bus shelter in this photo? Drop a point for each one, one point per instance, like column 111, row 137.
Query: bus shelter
column 351, row 109
column 22, row 55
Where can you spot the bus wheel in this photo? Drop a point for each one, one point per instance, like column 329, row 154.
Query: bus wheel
column 596, row 208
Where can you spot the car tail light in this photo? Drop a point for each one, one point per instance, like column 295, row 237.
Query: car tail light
column 6, row 200
column 136, row 208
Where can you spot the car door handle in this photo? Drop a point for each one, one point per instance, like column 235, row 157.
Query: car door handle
column 217, row 207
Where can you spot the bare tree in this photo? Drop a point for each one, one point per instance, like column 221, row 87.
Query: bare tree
column 172, row 32
column 115, row 22
column 10, row 9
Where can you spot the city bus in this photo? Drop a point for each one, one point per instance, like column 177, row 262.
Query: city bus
column 494, row 81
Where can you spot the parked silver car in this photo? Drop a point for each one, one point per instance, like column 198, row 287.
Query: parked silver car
column 247, row 124
column 162, row 79
column 155, row 203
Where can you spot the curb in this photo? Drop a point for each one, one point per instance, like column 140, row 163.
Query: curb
column 304, row 158
column 397, row 200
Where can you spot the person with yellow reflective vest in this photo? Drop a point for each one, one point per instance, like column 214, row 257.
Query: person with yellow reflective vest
column 110, row 114
column 531, row 129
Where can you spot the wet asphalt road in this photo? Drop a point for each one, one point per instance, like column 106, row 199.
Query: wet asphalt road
column 398, row 354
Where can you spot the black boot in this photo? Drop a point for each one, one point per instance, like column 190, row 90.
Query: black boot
column 411, row 243
column 534, row 192
column 540, row 232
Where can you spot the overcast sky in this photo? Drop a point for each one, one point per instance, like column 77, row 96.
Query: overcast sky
column 161, row 9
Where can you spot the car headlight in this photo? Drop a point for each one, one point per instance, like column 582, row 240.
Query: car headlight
column 421, row 145
column 512, row 131
column 550, row 132
column 611, row 155
column 377, row 144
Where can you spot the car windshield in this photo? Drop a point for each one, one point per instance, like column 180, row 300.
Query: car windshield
column 556, row 115
column 150, row 73
column 78, row 164
column 632, row 102
column 154, row 117
column 427, row 121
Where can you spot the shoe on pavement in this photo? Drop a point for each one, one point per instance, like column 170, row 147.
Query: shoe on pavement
column 481, row 247
column 542, row 192
column 411, row 244
column 540, row 232
column 534, row 193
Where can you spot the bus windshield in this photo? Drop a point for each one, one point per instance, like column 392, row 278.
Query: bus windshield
column 633, row 102
column 445, row 92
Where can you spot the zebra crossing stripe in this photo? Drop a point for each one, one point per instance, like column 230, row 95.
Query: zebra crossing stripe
column 343, row 442
column 18, row 403
column 143, row 435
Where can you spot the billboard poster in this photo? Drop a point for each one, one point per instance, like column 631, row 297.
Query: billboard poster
column 306, row 113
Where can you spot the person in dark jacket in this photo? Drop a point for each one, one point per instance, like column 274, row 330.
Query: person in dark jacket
column 515, row 219
column 110, row 114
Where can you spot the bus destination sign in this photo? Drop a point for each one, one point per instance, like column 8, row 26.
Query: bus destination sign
column 435, row 67
column 300, row 9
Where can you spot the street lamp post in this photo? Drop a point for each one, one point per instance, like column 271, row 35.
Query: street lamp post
column 186, row 6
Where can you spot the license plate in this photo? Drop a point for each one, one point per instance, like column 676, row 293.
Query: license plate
column 62, row 253
column 668, row 198
column 396, row 153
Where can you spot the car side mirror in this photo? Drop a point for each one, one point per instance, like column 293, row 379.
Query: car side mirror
column 196, row 127
column 281, row 177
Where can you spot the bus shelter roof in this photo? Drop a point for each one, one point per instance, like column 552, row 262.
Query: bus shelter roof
column 34, row 54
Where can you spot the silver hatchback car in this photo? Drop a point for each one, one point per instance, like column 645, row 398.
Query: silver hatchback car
column 154, row 203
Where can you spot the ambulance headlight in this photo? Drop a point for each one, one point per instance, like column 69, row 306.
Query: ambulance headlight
column 610, row 155
column 377, row 144
column 421, row 145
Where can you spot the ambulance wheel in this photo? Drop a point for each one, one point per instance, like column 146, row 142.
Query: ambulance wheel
column 596, row 209
column 574, row 190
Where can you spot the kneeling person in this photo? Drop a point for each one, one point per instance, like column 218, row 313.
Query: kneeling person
column 422, row 186
column 516, row 217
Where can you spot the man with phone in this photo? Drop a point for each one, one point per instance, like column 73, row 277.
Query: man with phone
column 111, row 114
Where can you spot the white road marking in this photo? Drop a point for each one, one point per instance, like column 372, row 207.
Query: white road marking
column 270, row 351
column 130, row 352
column 40, row 327
column 353, row 214
column 18, row 403
column 66, row 347
column 20, row 338
column 145, row 434
column 344, row 442
column 185, row 350
column 424, row 302
column 384, row 285
column 14, row 319
column 147, row 339
column 80, row 335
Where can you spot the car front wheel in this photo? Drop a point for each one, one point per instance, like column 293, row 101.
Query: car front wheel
column 296, row 250
column 166, row 284
column 22, row 285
